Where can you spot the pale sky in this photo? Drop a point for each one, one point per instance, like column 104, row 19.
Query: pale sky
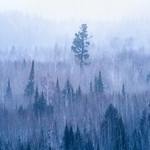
column 80, row 9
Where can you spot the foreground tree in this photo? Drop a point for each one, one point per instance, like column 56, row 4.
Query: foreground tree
column 80, row 44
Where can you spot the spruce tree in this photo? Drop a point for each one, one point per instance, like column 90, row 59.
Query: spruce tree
column 36, row 102
column 78, row 143
column 57, row 86
column 121, row 137
column 68, row 92
column 100, row 85
column 66, row 139
column 78, row 92
column 123, row 91
column 42, row 103
column 89, row 145
column 29, row 90
column 80, row 45
column 8, row 94
column 109, row 127
column 91, row 88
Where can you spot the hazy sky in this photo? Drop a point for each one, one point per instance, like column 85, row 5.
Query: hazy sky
column 79, row 9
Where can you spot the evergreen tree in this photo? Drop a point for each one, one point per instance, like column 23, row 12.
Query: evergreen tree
column 42, row 103
column 68, row 92
column 28, row 146
column 100, row 85
column 8, row 94
column 36, row 102
column 57, row 92
column 91, row 88
column 137, row 145
column 95, row 85
column 71, row 135
column 144, row 130
column 121, row 137
column 29, row 90
column 78, row 143
column 123, row 91
column 80, row 45
column 78, row 92
column 109, row 127
column 89, row 145
column 98, row 147
column 57, row 87
column 66, row 139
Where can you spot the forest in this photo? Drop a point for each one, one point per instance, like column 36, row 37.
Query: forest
column 52, row 98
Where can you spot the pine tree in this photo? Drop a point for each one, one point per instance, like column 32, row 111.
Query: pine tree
column 78, row 92
column 71, row 135
column 57, row 92
column 8, row 94
column 66, row 139
column 98, row 147
column 121, row 137
column 100, row 85
column 28, row 146
column 29, row 90
column 109, row 127
column 91, row 88
column 80, row 45
column 78, row 143
column 42, row 103
column 68, row 93
column 36, row 102
column 123, row 91
column 95, row 85
column 137, row 145
column 89, row 145
column 144, row 130
column 57, row 86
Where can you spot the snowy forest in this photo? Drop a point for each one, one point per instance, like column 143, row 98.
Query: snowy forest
column 74, row 85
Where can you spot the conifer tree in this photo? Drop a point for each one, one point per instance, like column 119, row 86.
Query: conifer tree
column 36, row 102
column 100, row 85
column 121, row 137
column 29, row 90
column 66, row 139
column 78, row 92
column 80, row 45
column 78, row 143
column 8, row 94
column 109, row 127
column 95, row 85
column 42, row 103
column 91, row 88
column 89, row 145
column 57, row 86
column 123, row 91
column 68, row 92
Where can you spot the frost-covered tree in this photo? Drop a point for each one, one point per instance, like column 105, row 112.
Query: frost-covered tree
column 80, row 45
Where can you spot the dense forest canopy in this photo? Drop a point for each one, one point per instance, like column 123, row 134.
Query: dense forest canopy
column 47, row 101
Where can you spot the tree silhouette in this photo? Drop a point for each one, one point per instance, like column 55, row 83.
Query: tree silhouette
column 80, row 45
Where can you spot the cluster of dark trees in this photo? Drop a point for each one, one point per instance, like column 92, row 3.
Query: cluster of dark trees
column 50, row 116
column 70, row 119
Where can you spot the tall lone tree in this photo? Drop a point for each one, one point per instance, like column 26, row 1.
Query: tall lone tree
column 29, row 90
column 80, row 45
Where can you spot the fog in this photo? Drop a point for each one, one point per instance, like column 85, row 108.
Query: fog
column 54, row 97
